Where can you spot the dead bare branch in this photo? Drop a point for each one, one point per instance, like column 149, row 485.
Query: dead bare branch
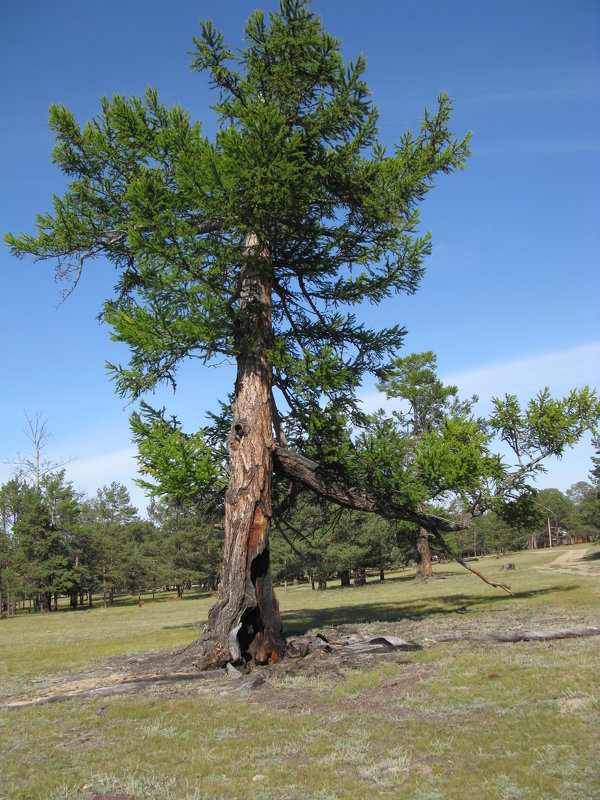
column 446, row 547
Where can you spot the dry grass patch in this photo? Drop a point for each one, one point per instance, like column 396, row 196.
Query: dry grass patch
column 454, row 720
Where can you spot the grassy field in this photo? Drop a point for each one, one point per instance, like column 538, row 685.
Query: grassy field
column 457, row 719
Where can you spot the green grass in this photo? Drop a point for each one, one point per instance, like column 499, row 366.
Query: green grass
column 454, row 720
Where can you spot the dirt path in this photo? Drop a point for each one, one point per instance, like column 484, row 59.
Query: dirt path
column 575, row 562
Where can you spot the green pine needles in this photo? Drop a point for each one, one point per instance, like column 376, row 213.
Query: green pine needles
column 296, row 162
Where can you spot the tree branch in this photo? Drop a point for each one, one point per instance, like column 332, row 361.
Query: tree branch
column 213, row 226
column 306, row 472
column 302, row 470
column 446, row 547
column 277, row 424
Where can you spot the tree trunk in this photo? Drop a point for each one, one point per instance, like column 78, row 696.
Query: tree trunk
column 345, row 577
column 244, row 623
column 424, row 569
column 360, row 576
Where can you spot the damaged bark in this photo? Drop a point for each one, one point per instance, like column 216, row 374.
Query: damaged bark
column 244, row 624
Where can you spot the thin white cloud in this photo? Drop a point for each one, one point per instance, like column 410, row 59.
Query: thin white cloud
column 584, row 87
column 560, row 370
column 99, row 469
column 96, row 470
column 539, row 147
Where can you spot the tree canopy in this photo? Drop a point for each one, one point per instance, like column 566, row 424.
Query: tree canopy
column 296, row 164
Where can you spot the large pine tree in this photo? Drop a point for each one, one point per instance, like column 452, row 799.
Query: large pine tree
column 255, row 246
column 260, row 247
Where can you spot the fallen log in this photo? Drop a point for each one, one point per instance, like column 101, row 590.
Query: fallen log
column 523, row 636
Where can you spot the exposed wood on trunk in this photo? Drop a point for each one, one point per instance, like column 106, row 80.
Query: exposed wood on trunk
column 244, row 622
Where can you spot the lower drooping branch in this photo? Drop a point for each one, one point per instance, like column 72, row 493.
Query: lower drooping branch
column 302, row 470
column 446, row 547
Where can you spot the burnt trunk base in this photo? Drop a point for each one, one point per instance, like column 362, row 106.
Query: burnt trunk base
column 244, row 624
column 245, row 631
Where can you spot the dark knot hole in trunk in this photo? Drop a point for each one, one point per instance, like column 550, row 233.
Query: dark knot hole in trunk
column 241, row 427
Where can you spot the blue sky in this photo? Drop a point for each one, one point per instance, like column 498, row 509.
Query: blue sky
column 511, row 298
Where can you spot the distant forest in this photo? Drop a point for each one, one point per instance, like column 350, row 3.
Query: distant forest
column 55, row 543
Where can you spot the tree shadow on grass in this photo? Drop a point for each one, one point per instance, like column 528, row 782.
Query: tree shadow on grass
column 299, row 621
column 591, row 556
column 124, row 600
column 334, row 584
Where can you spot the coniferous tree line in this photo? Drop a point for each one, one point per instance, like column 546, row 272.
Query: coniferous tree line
column 557, row 519
column 57, row 543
